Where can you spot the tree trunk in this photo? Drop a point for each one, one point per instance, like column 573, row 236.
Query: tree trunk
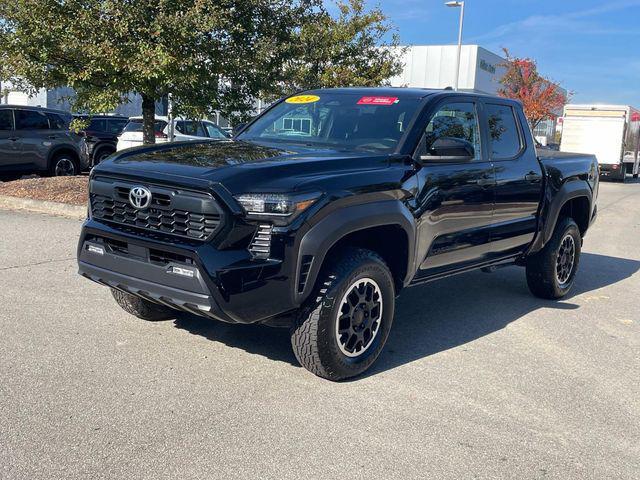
column 148, row 119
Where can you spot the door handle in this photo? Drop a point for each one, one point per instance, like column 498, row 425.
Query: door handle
column 484, row 181
column 532, row 177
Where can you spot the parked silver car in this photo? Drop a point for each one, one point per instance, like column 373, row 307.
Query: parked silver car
column 38, row 140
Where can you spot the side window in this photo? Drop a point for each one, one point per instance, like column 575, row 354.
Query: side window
column 200, row 132
column 97, row 125
column 213, row 131
column 454, row 120
column 6, row 119
column 56, row 122
column 31, row 120
column 189, row 127
column 503, row 132
column 116, row 126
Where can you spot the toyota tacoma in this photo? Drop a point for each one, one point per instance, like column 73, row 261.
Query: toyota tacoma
column 321, row 210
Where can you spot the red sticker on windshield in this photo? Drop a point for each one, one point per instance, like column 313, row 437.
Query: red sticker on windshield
column 378, row 100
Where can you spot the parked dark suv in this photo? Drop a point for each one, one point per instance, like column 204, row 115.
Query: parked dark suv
column 35, row 139
column 101, row 134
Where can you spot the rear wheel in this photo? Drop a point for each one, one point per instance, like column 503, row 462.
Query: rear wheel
column 343, row 330
column 551, row 272
column 142, row 308
column 64, row 165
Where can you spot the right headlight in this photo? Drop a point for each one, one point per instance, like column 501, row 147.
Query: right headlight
column 276, row 205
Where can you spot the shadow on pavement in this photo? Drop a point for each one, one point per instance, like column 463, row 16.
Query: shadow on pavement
column 436, row 316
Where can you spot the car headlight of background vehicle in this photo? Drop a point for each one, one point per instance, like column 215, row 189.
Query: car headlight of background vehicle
column 276, row 205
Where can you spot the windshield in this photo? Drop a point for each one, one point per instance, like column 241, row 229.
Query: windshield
column 336, row 120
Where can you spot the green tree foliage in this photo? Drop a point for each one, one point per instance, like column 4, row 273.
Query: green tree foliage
column 210, row 55
column 354, row 47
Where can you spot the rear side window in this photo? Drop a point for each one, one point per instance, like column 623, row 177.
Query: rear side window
column 136, row 126
column 115, row 126
column 188, row 127
column 504, row 134
column 31, row 120
column 6, row 119
column 97, row 125
column 214, row 131
column 56, row 121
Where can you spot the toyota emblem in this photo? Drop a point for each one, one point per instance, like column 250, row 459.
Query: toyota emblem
column 140, row 197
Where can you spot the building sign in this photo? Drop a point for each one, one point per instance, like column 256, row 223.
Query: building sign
column 487, row 67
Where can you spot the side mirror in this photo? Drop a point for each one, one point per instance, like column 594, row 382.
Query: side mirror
column 238, row 127
column 449, row 149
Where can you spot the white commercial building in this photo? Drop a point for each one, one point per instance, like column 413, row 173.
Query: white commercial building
column 434, row 66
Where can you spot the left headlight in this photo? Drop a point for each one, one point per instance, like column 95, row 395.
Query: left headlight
column 274, row 205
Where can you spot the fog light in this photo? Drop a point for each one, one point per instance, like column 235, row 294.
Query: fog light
column 95, row 249
column 183, row 272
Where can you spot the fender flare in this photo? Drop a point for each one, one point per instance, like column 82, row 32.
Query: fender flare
column 568, row 191
column 319, row 239
column 65, row 146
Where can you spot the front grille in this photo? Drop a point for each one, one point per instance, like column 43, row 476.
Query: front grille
column 186, row 214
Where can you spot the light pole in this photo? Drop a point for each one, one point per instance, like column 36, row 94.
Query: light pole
column 461, row 5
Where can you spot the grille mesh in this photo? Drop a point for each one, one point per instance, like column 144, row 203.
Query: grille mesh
column 159, row 217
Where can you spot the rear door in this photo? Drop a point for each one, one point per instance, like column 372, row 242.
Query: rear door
column 518, row 190
column 455, row 200
column 9, row 145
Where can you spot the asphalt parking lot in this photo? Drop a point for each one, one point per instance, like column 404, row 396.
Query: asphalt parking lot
column 478, row 380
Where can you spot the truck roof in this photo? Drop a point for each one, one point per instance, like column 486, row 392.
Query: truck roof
column 403, row 92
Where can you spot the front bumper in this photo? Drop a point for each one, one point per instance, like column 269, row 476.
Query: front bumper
column 227, row 285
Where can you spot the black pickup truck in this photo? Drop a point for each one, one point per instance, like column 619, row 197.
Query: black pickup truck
column 322, row 209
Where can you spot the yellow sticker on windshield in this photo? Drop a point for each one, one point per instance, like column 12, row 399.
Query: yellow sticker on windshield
column 303, row 99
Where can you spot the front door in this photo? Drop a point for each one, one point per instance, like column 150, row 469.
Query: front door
column 9, row 145
column 455, row 201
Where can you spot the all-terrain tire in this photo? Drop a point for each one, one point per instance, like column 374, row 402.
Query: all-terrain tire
column 142, row 308
column 314, row 337
column 548, row 267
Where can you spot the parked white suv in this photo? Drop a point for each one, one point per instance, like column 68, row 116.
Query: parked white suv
column 131, row 135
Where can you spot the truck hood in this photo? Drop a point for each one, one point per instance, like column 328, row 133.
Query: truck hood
column 239, row 166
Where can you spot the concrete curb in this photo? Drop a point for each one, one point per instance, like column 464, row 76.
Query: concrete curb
column 42, row 206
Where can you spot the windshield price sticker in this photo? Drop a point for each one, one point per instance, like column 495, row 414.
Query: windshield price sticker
column 303, row 99
column 378, row 101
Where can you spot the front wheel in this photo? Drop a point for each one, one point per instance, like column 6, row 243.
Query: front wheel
column 551, row 272
column 343, row 330
column 102, row 154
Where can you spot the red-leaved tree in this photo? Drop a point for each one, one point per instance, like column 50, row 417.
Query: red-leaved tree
column 540, row 97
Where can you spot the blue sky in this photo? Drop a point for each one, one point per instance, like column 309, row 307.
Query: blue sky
column 592, row 47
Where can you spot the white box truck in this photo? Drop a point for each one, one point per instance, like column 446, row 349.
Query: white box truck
column 610, row 132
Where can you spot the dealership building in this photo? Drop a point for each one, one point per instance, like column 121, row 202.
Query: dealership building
column 434, row 66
